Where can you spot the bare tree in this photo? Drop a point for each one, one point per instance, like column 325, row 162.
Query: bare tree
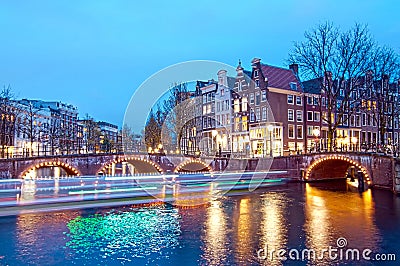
column 8, row 117
column 177, row 116
column 32, row 125
column 337, row 61
column 384, row 75
column 91, row 134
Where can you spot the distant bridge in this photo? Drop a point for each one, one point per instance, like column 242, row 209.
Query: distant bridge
column 378, row 170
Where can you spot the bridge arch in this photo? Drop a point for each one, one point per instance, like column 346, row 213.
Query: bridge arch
column 333, row 166
column 141, row 165
column 69, row 169
column 193, row 165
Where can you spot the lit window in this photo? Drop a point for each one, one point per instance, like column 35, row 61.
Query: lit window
column 244, row 104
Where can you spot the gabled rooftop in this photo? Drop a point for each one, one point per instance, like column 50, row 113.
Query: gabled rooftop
column 280, row 78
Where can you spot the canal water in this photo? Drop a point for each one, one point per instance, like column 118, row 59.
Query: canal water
column 237, row 229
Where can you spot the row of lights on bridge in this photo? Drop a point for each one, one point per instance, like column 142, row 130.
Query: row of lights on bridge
column 193, row 161
column 52, row 163
column 337, row 157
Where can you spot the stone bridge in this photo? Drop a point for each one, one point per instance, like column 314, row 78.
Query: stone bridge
column 378, row 170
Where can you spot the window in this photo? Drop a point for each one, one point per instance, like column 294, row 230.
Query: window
column 236, row 105
column 316, row 116
column 244, row 123
column 222, row 92
column 290, row 115
column 298, row 100
column 358, row 121
column 309, row 130
column 255, row 73
column 299, row 116
column 309, row 100
column 240, row 85
column 293, row 86
column 315, row 100
column 204, row 109
column 258, row 116
column 345, row 120
column 244, row 104
column 368, row 119
column 227, row 105
column 218, row 106
column 251, row 115
column 309, row 116
column 291, row 131
column 251, row 98
column 237, row 121
column 264, row 113
column 323, row 103
column 290, row 99
column 258, row 98
column 299, row 132
column 228, row 119
column 352, row 120
column 263, row 96
column 257, row 83
column 364, row 119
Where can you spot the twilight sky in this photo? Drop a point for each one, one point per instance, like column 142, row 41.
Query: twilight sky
column 95, row 53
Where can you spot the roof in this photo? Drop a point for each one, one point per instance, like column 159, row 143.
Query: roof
column 231, row 82
column 280, row 77
column 312, row 86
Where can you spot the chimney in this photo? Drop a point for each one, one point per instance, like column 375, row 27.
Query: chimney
column 294, row 68
column 256, row 61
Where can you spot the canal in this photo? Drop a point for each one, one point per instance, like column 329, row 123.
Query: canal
column 236, row 229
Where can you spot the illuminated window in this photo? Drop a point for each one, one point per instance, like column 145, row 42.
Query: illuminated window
column 244, row 104
column 244, row 123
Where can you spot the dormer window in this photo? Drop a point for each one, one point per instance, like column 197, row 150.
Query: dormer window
column 293, row 86
column 255, row 73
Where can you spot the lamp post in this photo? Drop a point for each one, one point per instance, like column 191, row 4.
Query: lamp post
column 316, row 133
column 214, row 133
column 270, row 128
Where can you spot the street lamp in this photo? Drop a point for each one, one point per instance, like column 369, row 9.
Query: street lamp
column 316, row 133
column 354, row 142
column 270, row 128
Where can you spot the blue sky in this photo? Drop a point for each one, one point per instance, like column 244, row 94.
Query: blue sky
column 94, row 54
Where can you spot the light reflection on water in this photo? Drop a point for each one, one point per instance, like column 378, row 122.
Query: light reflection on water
column 227, row 231
column 124, row 235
